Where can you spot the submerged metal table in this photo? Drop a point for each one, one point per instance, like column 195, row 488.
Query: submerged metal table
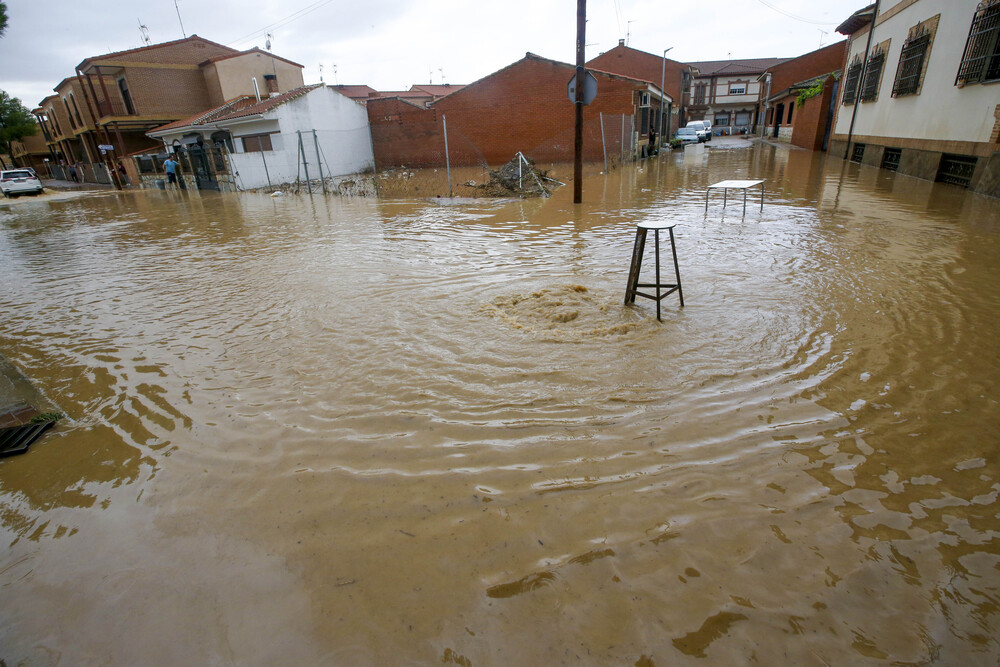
column 632, row 289
column 726, row 186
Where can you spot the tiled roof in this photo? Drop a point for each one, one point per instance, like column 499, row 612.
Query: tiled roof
column 437, row 90
column 115, row 54
column 744, row 66
column 268, row 104
column 239, row 107
column 857, row 21
column 355, row 92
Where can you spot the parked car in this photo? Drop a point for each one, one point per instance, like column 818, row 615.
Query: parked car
column 689, row 135
column 703, row 126
column 17, row 181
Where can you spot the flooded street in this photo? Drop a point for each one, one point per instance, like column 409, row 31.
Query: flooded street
column 347, row 431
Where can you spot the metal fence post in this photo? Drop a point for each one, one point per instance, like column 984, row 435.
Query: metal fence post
column 447, row 159
column 305, row 162
column 319, row 162
column 604, row 146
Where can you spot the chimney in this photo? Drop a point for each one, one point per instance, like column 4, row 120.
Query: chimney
column 271, row 81
column 621, row 42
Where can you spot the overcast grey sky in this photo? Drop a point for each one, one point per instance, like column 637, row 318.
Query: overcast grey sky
column 392, row 44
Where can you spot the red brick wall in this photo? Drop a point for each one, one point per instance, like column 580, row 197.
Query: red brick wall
column 815, row 63
column 190, row 51
column 810, row 119
column 641, row 65
column 178, row 92
column 523, row 107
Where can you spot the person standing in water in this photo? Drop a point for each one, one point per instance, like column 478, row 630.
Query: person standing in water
column 170, row 165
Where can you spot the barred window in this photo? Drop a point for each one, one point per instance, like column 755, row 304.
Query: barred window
column 981, row 58
column 851, row 82
column 873, row 74
column 911, row 64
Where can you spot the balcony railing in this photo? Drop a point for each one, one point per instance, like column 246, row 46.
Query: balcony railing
column 114, row 107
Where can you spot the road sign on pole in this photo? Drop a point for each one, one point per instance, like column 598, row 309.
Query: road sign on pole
column 589, row 88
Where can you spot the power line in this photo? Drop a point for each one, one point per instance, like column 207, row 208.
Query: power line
column 280, row 22
column 793, row 16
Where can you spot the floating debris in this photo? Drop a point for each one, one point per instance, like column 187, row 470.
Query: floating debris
column 519, row 177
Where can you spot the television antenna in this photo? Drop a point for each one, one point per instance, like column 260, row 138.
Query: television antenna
column 336, row 81
column 144, row 31
column 177, row 7
column 267, row 41
column 321, row 72
column 822, row 34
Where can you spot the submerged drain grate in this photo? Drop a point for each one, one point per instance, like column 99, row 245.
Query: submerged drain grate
column 17, row 439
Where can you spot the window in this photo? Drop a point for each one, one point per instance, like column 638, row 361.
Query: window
column 911, row 64
column 69, row 114
column 699, row 93
column 55, row 121
column 791, row 107
column 737, row 88
column 956, row 169
column 644, row 99
column 126, row 96
column 858, row 153
column 743, row 118
column 256, row 143
column 851, row 81
column 76, row 110
column 981, row 58
column 873, row 74
column 890, row 158
column 721, row 119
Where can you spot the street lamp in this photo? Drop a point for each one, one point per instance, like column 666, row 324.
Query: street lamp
column 663, row 71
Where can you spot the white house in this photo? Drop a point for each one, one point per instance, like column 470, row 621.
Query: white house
column 310, row 132
column 920, row 93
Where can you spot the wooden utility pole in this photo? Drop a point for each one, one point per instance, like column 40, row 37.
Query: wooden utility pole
column 581, row 82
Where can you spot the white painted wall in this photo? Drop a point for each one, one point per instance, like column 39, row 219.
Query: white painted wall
column 341, row 126
column 941, row 110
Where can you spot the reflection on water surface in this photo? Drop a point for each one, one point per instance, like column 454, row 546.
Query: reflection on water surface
column 347, row 431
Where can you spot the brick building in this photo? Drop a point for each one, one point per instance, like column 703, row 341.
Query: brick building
column 675, row 77
column 30, row 152
column 421, row 95
column 783, row 83
column 522, row 107
column 115, row 98
column 728, row 93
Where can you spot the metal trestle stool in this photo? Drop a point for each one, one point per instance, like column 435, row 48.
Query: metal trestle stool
column 662, row 289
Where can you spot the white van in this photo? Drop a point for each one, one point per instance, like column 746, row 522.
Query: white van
column 703, row 127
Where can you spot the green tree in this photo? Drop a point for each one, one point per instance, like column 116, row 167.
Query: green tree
column 3, row 18
column 16, row 122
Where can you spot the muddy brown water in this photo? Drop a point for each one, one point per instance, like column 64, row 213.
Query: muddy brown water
column 348, row 431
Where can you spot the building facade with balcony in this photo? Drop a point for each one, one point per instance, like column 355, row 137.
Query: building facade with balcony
column 727, row 93
column 920, row 92
column 114, row 99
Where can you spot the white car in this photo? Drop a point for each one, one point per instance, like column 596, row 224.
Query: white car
column 17, row 181
column 703, row 127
